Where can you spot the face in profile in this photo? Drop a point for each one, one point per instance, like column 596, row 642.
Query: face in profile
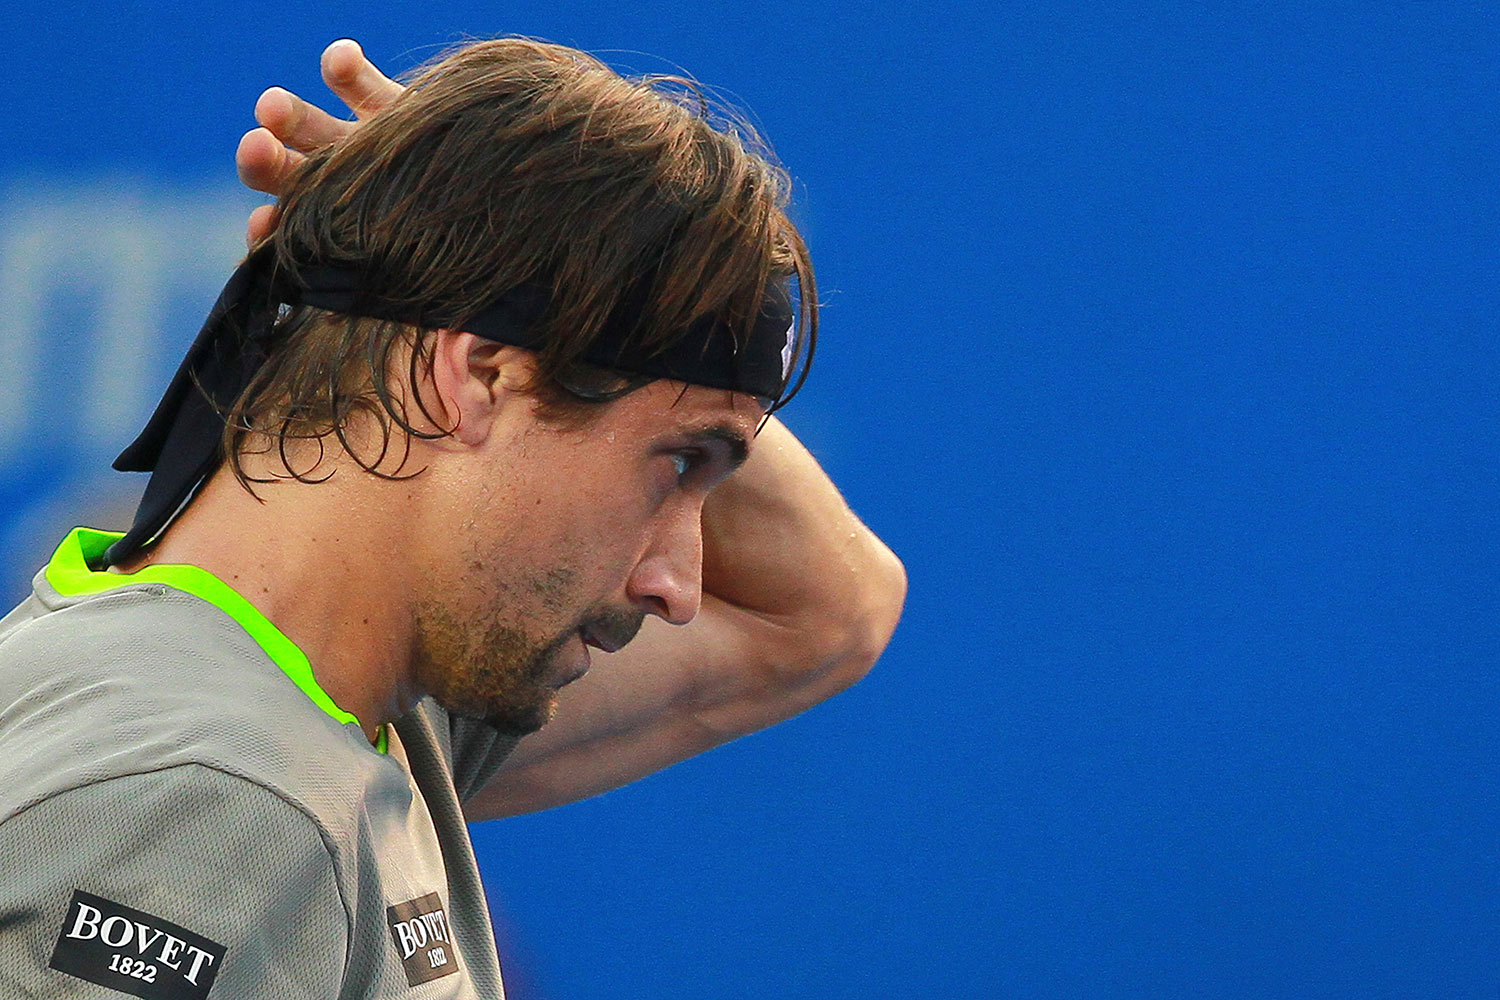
column 566, row 539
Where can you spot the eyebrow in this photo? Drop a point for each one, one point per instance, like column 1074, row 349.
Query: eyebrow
column 739, row 447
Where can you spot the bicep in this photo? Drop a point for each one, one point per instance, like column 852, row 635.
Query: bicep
column 185, row 876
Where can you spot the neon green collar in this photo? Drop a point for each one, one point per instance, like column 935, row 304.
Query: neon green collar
column 71, row 574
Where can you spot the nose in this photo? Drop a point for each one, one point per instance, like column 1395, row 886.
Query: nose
column 668, row 581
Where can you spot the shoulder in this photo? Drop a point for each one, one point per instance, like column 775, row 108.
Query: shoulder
column 147, row 678
column 236, row 876
column 165, row 811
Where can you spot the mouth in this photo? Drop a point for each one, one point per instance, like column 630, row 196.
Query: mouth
column 604, row 635
column 611, row 631
column 568, row 667
column 604, row 644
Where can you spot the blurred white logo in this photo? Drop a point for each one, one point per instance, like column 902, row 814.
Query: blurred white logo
column 104, row 284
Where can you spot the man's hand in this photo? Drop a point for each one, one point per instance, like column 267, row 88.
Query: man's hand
column 291, row 127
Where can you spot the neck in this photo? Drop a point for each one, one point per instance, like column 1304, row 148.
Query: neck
column 323, row 562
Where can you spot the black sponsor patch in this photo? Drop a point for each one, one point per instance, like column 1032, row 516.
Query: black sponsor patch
column 424, row 942
column 133, row 952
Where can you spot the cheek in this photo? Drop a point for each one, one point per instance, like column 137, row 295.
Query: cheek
column 597, row 516
column 607, row 543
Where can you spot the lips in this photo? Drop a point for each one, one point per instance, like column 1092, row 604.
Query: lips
column 566, row 665
column 607, row 633
column 611, row 630
column 591, row 638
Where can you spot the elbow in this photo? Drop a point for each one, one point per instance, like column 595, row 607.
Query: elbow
column 877, row 614
column 856, row 633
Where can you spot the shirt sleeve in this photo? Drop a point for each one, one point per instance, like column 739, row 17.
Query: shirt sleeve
column 178, row 884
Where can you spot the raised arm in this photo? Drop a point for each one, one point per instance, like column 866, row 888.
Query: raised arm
column 799, row 599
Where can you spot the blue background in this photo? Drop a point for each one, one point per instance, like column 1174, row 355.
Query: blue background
column 1160, row 343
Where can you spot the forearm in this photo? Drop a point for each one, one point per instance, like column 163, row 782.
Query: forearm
column 672, row 694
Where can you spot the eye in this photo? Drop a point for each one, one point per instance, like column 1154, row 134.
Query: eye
column 685, row 462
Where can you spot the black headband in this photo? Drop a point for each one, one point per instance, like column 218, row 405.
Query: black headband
column 180, row 443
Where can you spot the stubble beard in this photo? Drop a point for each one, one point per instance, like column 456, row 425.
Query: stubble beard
column 490, row 671
column 488, row 668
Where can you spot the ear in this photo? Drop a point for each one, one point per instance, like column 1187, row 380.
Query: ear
column 468, row 376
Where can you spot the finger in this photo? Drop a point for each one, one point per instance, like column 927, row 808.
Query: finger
column 262, row 224
column 298, row 124
column 356, row 80
column 263, row 163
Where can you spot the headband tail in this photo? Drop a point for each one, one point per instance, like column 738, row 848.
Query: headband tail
column 180, row 443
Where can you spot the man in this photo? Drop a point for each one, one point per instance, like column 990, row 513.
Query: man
column 486, row 403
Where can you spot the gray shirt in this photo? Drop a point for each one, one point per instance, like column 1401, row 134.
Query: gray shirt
column 185, row 814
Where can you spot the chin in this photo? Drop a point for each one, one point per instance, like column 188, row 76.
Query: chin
column 506, row 680
column 519, row 720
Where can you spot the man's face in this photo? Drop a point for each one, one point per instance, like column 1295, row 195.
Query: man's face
column 565, row 539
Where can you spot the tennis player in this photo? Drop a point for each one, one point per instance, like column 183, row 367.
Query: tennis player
column 465, row 502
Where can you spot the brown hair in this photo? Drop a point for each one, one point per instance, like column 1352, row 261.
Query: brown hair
column 514, row 161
